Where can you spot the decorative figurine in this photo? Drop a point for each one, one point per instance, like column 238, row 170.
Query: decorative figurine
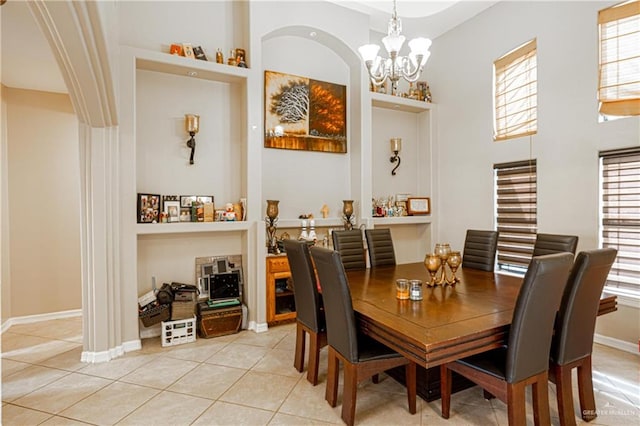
column 229, row 212
column 325, row 211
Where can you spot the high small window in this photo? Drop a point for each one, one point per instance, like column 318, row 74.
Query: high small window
column 516, row 93
column 620, row 218
column 619, row 82
column 516, row 213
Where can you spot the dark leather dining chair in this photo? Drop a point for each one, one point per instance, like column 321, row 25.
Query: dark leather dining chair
column 309, row 311
column 362, row 356
column 554, row 243
column 505, row 372
column 380, row 247
column 351, row 248
column 573, row 339
column 480, row 250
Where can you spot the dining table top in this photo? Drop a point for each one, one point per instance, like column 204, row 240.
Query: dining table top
column 449, row 323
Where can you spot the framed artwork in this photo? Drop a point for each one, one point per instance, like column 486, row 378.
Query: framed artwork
column 418, row 205
column 304, row 114
column 148, row 208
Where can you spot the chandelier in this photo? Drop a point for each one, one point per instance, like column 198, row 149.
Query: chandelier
column 394, row 67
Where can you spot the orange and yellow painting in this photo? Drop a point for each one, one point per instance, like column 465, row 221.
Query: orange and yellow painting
column 305, row 114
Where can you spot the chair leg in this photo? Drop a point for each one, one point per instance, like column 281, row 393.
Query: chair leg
column 298, row 359
column 331, row 392
column 540, row 394
column 516, row 404
column 375, row 379
column 445, row 390
column 314, row 358
column 564, row 395
column 410, row 380
column 349, row 393
column 585, row 390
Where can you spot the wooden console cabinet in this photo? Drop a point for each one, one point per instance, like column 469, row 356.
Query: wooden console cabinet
column 281, row 305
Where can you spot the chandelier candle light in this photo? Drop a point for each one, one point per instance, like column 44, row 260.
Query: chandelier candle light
column 394, row 67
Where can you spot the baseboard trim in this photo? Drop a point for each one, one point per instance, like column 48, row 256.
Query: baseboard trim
column 133, row 345
column 616, row 343
column 28, row 319
column 258, row 327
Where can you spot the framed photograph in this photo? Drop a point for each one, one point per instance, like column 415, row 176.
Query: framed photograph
column 185, row 214
column 188, row 200
column 187, row 50
column 148, row 208
column 418, row 205
column 199, row 53
column 172, row 210
column 304, row 114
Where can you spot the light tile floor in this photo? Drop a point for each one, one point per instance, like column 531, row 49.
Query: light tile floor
column 242, row 379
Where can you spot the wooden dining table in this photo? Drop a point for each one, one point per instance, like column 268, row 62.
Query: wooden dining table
column 449, row 323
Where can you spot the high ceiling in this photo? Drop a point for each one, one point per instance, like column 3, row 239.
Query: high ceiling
column 27, row 61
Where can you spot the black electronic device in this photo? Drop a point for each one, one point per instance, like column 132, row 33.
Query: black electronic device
column 226, row 285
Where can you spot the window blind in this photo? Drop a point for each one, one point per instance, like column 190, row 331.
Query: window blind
column 620, row 215
column 619, row 68
column 516, row 93
column 516, row 215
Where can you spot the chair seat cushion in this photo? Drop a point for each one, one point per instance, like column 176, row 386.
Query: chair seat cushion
column 490, row 362
column 370, row 349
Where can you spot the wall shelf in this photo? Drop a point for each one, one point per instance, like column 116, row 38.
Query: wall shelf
column 319, row 223
column 189, row 227
column 403, row 220
column 187, row 67
column 398, row 103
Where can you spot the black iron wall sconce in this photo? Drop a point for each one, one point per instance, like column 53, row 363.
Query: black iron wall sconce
column 192, row 124
column 396, row 146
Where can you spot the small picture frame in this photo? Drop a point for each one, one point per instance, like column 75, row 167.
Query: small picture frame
column 199, row 53
column 187, row 200
column 148, row 208
column 172, row 211
column 185, row 214
column 418, row 206
column 188, row 50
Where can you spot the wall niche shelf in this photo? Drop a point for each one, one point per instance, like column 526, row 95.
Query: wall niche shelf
column 398, row 103
column 187, row 67
column 189, row 227
column 403, row 220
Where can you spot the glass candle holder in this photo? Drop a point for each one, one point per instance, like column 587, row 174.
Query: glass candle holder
column 415, row 289
column 402, row 289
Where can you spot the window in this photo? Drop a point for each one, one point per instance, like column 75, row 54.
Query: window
column 516, row 220
column 620, row 218
column 619, row 69
column 516, row 89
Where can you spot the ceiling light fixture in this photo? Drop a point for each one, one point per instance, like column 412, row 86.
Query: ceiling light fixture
column 394, row 67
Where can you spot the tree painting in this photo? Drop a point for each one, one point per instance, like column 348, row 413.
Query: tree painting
column 304, row 114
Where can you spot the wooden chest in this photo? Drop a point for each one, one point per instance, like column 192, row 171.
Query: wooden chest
column 219, row 322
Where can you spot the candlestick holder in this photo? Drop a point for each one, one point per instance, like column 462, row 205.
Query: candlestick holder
column 272, row 220
column 347, row 210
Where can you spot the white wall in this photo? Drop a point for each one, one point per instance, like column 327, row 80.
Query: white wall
column 569, row 135
column 44, row 207
column 305, row 180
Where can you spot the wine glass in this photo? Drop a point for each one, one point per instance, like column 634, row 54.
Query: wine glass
column 432, row 262
column 454, row 260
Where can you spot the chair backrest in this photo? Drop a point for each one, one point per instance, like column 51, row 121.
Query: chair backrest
column 305, row 290
column 576, row 320
column 480, row 250
column 554, row 243
column 341, row 321
column 534, row 315
column 351, row 248
column 380, row 246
